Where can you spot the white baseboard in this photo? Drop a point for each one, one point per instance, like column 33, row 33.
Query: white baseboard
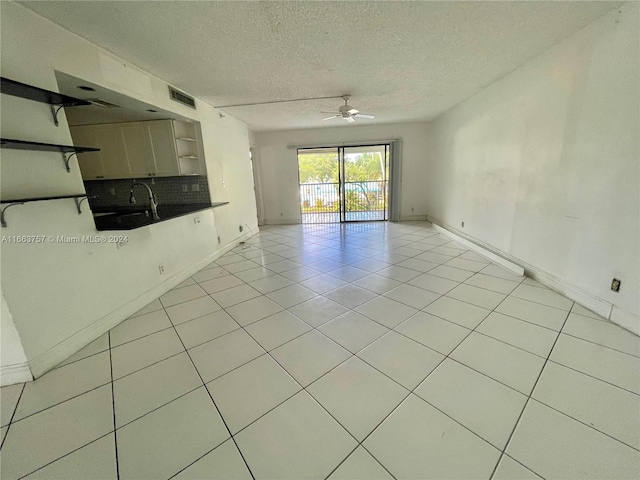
column 63, row 350
column 626, row 320
column 500, row 260
column 10, row 374
column 588, row 301
column 282, row 221
column 412, row 218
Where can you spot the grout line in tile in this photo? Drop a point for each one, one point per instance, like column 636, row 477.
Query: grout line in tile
column 61, row 402
column 113, row 408
column 83, row 358
column 158, row 407
column 594, row 377
column 601, row 345
column 215, row 406
column 99, row 386
column 511, row 345
column 423, row 380
column 13, row 414
column 146, row 366
column 599, row 319
column 585, row 424
column 67, row 454
column 349, row 309
column 515, row 426
column 520, row 463
column 410, row 392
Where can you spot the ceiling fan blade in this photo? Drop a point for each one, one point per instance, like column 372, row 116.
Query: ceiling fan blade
column 365, row 115
column 332, row 116
column 350, row 119
column 328, row 112
column 353, row 111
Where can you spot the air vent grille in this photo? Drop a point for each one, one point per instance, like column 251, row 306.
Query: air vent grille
column 182, row 98
column 102, row 103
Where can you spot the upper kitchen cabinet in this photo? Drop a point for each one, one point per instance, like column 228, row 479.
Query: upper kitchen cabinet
column 137, row 148
column 164, row 158
column 103, row 164
column 158, row 148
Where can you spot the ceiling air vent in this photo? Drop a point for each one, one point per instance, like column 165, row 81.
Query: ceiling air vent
column 102, row 103
column 182, row 98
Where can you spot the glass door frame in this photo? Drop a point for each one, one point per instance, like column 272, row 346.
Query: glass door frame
column 342, row 197
column 342, row 179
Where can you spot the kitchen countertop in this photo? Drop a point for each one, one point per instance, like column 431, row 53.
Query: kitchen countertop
column 136, row 216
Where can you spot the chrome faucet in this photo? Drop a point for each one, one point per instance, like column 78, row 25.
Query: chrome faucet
column 152, row 199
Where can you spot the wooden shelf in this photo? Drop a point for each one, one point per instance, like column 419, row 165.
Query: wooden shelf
column 67, row 151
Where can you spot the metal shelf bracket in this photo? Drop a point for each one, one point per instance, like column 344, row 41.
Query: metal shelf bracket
column 66, row 157
column 79, row 203
column 54, row 111
column 2, row 216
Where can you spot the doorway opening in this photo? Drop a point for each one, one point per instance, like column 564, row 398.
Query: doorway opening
column 344, row 184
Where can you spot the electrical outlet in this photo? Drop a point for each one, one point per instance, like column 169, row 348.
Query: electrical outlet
column 196, row 220
column 218, row 239
column 615, row 285
column 185, row 188
column 112, row 191
column 462, row 224
column 195, row 187
column 241, row 228
column 161, row 269
column 411, row 209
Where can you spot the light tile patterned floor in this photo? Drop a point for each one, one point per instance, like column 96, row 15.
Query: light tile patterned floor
column 339, row 351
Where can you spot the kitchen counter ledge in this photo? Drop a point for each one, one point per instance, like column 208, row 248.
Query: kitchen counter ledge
column 137, row 216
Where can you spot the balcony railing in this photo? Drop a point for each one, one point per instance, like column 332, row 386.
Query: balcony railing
column 321, row 202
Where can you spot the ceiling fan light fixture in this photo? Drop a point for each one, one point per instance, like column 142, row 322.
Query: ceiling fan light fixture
column 347, row 112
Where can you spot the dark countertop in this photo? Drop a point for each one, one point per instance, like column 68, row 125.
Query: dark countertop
column 136, row 216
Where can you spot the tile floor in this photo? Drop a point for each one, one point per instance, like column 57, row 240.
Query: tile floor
column 339, row 351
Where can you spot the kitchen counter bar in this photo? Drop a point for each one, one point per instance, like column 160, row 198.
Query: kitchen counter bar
column 136, row 216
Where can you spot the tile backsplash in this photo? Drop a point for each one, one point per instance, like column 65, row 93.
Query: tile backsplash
column 115, row 193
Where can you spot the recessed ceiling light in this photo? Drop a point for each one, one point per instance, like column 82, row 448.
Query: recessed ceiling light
column 88, row 89
column 152, row 111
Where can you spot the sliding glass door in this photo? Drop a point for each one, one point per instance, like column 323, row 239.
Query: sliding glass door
column 365, row 183
column 344, row 184
column 319, row 175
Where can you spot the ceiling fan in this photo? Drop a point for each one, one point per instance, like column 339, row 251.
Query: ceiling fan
column 347, row 112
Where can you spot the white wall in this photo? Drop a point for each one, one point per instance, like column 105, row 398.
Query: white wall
column 279, row 165
column 544, row 164
column 63, row 296
column 12, row 358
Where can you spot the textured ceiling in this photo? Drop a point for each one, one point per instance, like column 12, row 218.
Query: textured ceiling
column 402, row 61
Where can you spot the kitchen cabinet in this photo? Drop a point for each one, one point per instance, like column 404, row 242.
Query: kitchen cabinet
column 137, row 149
column 90, row 163
column 164, row 159
column 158, row 148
